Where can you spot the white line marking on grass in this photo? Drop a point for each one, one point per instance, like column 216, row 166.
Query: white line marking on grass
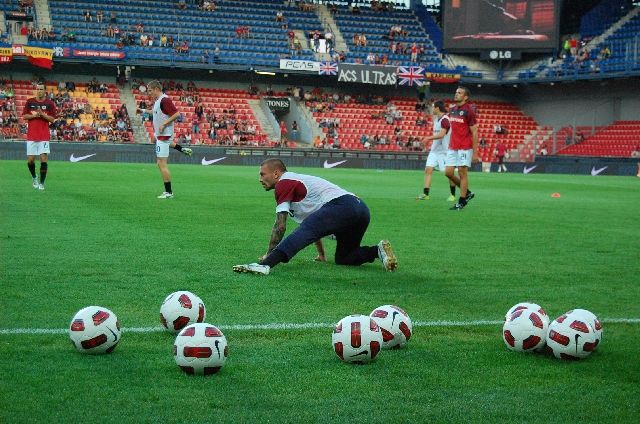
column 295, row 326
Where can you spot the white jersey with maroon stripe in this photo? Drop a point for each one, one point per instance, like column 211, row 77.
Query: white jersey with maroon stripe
column 301, row 195
column 159, row 118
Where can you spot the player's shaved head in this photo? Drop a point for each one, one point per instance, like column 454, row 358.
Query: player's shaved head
column 274, row 164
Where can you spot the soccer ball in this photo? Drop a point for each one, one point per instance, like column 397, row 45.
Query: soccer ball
column 200, row 349
column 395, row 325
column 357, row 339
column 525, row 330
column 591, row 319
column 571, row 336
column 180, row 309
column 94, row 330
column 527, row 305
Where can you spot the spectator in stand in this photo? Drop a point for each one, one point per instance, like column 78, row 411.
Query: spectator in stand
column 283, row 134
column 573, row 46
column 328, row 37
column 414, row 52
column 195, row 125
column 294, row 131
column 99, row 16
column 279, row 16
column 87, row 16
column 182, row 4
column 113, row 18
column 500, row 151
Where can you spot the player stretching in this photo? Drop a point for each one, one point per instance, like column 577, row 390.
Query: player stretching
column 164, row 114
column 322, row 209
column 39, row 112
column 438, row 151
column 463, row 145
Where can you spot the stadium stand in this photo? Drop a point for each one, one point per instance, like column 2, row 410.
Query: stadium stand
column 356, row 120
column 80, row 113
column 205, row 31
column 264, row 42
column 606, row 44
column 619, row 139
column 226, row 110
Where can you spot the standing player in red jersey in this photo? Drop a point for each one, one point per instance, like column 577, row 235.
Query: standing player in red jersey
column 463, row 145
column 164, row 115
column 39, row 112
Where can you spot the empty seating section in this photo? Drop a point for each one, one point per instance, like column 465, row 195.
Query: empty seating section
column 203, row 30
column 109, row 100
column 356, row 120
column 218, row 102
column 600, row 18
column 619, row 139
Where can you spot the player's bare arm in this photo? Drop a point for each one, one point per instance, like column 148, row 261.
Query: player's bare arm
column 321, row 255
column 279, row 228
column 169, row 121
column 474, row 137
column 46, row 117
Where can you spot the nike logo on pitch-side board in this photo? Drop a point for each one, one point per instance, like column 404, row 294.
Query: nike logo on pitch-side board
column 206, row 162
column 79, row 158
column 333, row 165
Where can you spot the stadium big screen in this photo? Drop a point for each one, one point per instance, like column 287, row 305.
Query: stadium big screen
column 472, row 25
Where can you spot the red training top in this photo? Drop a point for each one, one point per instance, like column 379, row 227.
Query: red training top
column 38, row 128
column 461, row 118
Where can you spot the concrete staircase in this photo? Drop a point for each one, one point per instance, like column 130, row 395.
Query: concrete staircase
column 310, row 120
column 273, row 134
column 140, row 134
column 3, row 25
column 329, row 25
column 43, row 17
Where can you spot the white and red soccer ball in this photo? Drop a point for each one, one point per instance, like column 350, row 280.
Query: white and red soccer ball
column 395, row 325
column 200, row 349
column 180, row 309
column 529, row 305
column 592, row 319
column 525, row 330
column 357, row 339
column 94, row 330
column 571, row 336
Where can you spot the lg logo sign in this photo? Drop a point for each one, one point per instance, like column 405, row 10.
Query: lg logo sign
column 500, row 54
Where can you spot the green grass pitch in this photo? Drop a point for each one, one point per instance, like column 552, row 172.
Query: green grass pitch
column 98, row 235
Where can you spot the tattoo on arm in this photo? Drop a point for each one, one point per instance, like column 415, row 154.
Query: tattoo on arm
column 279, row 228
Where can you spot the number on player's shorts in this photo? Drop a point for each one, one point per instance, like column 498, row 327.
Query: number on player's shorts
column 45, row 145
column 157, row 149
column 463, row 155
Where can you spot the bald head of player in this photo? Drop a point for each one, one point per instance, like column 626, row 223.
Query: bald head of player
column 270, row 172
